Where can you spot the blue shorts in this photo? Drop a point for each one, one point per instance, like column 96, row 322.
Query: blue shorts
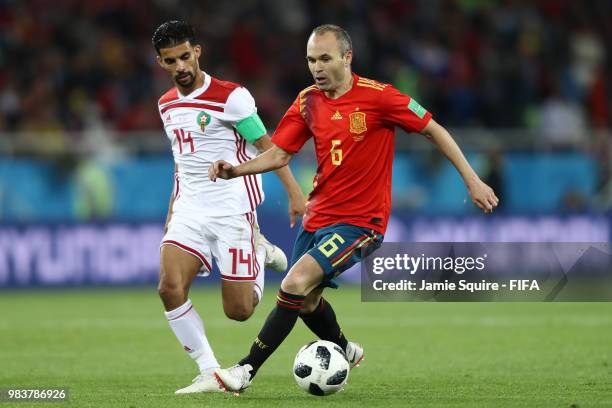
column 336, row 248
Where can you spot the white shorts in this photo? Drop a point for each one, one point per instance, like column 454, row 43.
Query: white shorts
column 230, row 240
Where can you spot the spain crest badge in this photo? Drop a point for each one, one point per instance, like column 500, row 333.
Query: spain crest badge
column 357, row 122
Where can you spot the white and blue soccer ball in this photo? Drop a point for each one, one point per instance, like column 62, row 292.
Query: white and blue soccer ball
column 321, row 368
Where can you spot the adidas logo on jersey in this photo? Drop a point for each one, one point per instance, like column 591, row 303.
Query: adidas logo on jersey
column 168, row 119
column 336, row 116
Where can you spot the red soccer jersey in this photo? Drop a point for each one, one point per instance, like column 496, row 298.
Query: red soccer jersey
column 354, row 139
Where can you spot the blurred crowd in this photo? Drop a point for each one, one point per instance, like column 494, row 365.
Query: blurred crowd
column 71, row 65
column 539, row 67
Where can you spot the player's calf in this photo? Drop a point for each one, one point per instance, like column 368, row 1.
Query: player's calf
column 238, row 300
column 311, row 302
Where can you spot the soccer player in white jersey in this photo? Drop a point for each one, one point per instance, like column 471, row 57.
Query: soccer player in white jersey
column 206, row 120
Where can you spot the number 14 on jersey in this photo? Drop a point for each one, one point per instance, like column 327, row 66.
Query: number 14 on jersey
column 184, row 139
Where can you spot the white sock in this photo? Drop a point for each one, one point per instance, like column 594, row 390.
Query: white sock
column 188, row 328
column 259, row 281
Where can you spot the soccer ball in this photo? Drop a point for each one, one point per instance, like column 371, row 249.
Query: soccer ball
column 321, row 368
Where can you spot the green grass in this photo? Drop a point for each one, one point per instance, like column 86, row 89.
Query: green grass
column 114, row 348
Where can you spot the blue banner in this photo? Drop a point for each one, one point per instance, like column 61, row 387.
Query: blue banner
column 128, row 253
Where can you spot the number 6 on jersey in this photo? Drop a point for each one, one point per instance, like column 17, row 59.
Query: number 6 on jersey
column 336, row 154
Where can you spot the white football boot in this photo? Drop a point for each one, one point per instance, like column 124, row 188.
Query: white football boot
column 276, row 260
column 354, row 354
column 234, row 379
column 205, row 382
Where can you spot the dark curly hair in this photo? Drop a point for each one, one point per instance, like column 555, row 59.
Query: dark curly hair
column 172, row 33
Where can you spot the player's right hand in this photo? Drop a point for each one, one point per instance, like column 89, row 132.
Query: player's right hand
column 483, row 196
column 220, row 169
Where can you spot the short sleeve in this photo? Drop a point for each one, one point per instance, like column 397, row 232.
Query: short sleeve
column 292, row 131
column 403, row 111
column 240, row 105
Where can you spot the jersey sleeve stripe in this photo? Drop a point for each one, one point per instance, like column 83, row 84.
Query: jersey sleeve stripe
column 371, row 82
column 241, row 161
column 246, row 185
column 378, row 88
column 302, row 96
column 248, row 178
column 244, row 178
column 258, row 189
column 251, row 191
column 253, row 176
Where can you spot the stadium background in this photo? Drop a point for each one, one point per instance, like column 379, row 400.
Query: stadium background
column 86, row 170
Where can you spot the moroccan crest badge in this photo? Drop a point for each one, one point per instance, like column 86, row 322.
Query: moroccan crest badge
column 203, row 119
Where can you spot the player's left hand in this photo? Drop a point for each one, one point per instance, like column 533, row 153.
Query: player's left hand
column 297, row 207
column 220, row 169
column 483, row 196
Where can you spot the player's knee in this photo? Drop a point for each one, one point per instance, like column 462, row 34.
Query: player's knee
column 295, row 284
column 169, row 290
column 240, row 313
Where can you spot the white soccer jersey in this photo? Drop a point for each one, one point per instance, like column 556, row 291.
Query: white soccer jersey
column 201, row 129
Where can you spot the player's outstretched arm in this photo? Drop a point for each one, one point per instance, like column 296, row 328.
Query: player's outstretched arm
column 273, row 159
column 297, row 202
column 482, row 195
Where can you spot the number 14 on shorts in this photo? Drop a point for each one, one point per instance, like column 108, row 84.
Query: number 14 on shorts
column 241, row 257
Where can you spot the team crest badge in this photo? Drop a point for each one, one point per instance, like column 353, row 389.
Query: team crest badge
column 357, row 121
column 203, row 120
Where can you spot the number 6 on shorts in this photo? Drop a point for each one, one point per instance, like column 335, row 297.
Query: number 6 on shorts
column 329, row 247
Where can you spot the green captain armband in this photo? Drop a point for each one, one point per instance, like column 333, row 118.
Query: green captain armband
column 251, row 128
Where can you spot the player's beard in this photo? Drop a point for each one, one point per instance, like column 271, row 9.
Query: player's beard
column 186, row 81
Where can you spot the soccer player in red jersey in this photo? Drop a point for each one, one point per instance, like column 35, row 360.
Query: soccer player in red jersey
column 352, row 121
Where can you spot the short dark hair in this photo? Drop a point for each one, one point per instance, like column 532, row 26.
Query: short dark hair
column 173, row 33
column 343, row 37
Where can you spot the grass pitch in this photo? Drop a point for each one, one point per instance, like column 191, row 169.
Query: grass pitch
column 113, row 348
